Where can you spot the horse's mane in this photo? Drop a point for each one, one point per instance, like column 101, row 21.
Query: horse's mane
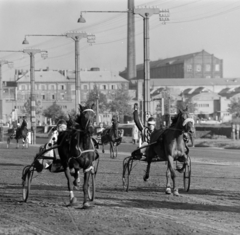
column 175, row 118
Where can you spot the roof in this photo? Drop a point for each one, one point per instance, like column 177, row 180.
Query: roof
column 44, row 77
column 101, row 76
column 171, row 60
column 194, row 82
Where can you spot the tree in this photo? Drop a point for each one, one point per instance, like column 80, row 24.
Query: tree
column 102, row 99
column 54, row 112
column 192, row 107
column 27, row 107
column 234, row 107
column 120, row 102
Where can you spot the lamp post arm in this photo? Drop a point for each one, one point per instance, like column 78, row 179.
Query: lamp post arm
column 105, row 11
column 45, row 35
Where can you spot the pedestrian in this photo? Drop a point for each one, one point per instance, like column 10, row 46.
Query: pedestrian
column 135, row 134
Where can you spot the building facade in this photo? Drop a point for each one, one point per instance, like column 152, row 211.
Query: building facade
column 195, row 65
column 56, row 86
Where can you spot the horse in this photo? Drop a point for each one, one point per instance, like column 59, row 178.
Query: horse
column 76, row 151
column 18, row 133
column 113, row 136
column 169, row 146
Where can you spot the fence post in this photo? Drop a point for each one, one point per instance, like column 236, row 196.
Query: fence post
column 237, row 129
column 233, row 131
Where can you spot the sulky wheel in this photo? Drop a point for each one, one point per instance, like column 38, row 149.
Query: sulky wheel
column 91, row 186
column 126, row 176
column 187, row 176
column 26, row 182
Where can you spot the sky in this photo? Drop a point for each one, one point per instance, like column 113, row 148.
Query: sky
column 194, row 25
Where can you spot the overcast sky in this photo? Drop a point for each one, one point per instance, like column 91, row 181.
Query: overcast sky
column 195, row 25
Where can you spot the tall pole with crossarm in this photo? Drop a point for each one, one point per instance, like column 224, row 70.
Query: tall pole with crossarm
column 146, row 13
column 2, row 62
column 76, row 36
column 31, row 53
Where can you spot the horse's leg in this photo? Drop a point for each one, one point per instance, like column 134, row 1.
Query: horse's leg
column 168, row 184
column 72, row 199
column 173, row 175
column 76, row 181
column 146, row 176
column 17, row 143
column 23, row 143
column 85, row 189
column 103, row 148
column 8, row 142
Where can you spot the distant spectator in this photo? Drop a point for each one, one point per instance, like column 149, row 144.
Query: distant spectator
column 135, row 134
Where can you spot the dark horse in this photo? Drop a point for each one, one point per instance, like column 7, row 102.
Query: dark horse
column 18, row 133
column 170, row 146
column 113, row 136
column 76, row 151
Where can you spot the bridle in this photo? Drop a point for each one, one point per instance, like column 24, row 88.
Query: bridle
column 88, row 121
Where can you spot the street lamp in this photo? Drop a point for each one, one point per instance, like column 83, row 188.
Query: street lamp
column 97, row 119
column 31, row 53
column 2, row 62
column 76, row 36
column 146, row 13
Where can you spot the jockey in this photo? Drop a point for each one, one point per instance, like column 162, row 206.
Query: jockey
column 53, row 136
column 24, row 123
column 145, row 131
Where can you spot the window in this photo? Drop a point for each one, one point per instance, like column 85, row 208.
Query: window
column 61, row 87
column 43, row 87
column 43, row 97
column 203, row 105
column 217, row 67
column 85, row 87
column 199, row 68
column 208, row 67
column 113, row 87
column 104, row 87
column 53, row 97
column 189, row 68
column 52, row 87
column 62, row 96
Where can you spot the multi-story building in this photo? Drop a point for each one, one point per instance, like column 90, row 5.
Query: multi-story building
column 210, row 96
column 56, row 86
column 195, row 65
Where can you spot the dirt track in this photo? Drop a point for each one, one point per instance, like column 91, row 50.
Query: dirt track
column 211, row 207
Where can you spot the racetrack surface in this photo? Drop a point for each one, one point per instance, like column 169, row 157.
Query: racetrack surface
column 212, row 206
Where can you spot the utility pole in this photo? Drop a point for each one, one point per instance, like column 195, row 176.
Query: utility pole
column 131, row 49
column 146, row 13
column 2, row 62
column 76, row 36
column 97, row 120
column 31, row 53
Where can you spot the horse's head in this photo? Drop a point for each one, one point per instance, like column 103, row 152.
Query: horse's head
column 184, row 121
column 86, row 118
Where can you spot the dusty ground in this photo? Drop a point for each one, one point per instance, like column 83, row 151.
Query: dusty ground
column 212, row 206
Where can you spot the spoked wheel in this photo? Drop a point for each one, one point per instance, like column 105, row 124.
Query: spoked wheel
column 126, row 174
column 91, row 186
column 187, row 176
column 26, row 182
column 113, row 150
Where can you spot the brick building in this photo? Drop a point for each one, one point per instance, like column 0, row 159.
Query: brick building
column 195, row 65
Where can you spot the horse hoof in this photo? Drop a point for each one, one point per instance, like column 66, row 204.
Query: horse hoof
column 145, row 177
column 168, row 191
column 73, row 201
column 176, row 193
column 86, row 205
